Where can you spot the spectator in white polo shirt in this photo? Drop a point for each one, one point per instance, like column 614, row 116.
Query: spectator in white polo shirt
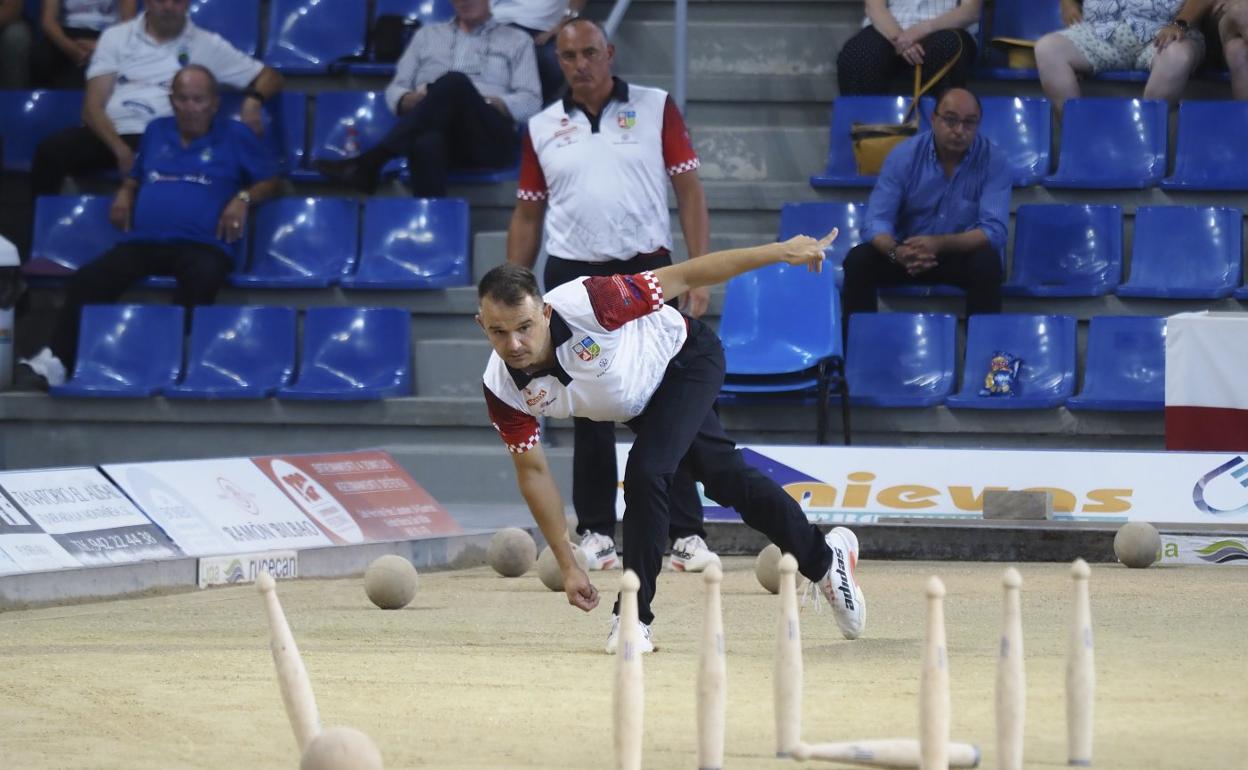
column 129, row 81
column 594, row 170
column 540, row 19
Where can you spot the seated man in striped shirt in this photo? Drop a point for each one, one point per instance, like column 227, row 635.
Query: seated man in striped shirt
column 460, row 89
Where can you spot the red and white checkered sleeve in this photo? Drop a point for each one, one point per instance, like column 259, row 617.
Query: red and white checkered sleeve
column 678, row 154
column 618, row 299
column 519, row 431
column 532, row 186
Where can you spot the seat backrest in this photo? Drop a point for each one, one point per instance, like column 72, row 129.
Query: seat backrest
column 29, row 117
column 816, row 218
column 788, row 312
column 238, row 21
column 285, row 122
column 1074, row 245
column 139, row 345
column 1211, row 140
column 250, row 344
column 348, row 122
column 1180, row 247
column 425, row 238
column 305, row 237
column 892, row 353
column 847, row 110
column 425, row 11
column 1126, row 357
column 315, row 33
column 1025, row 19
column 1045, row 343
column 369, row 345
column 1113, row 139
column 72, row 230
column 1020, row 126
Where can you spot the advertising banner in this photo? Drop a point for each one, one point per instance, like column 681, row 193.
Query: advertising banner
column 1216, row 550
column 246, row 567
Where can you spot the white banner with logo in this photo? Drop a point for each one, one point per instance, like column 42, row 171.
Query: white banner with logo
column 866, row 484
column 1208, row 549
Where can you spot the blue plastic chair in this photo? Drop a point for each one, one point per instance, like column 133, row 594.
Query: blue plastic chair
column 842, row 170
column 69, row 232
column 816, row 219
column 238, row 353
column 1021, row 20
column 1185, row 252
column 1111, row 144
column 345, row 124
column 1066, row 250
column 238, row 21
column 285, row 123
column 1046, row 345
column 1211, row 153
column 302, row 243
column 126, row 351
column 423, row 11
column 305, row 37
column 413, row 243
column 353, row 354
column 1125, row 365
column 29, row 117
column 901, row 359
column 1022, row 127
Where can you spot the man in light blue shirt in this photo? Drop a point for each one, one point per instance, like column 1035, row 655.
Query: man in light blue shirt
column 938, row 214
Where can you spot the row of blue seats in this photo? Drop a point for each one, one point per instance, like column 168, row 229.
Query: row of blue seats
column 345, row 122
column 1076, row 250
column 294, row 243
column 347, row 354
column 1106, row 143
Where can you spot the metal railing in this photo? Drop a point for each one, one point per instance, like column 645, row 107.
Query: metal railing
column 680, row 51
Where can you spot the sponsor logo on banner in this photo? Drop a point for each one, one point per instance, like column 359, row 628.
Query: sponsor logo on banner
column 1208, row 550
column 316, row 501
column 245, row 568
column 1238, row 472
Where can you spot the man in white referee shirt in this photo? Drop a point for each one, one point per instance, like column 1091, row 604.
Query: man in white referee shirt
column 594, row 170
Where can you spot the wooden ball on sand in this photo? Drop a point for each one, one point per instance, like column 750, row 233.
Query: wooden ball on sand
column 548, row 567
column 511, row 552
column 767, row 568
column 1137, row 544
column 341, row 748
column 390, row 582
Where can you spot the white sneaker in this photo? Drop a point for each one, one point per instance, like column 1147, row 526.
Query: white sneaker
column 599, row 551
column 613, row 638
column 47, row 366
column 691, row 554
column 849, row 606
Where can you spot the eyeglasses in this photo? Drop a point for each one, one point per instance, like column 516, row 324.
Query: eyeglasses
column 953, row 121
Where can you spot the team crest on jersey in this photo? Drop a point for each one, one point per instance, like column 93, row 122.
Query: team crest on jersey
column 627, row 119
column 587, row 349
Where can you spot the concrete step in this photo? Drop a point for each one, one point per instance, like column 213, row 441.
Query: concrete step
column 745, row 47
column 450, row 367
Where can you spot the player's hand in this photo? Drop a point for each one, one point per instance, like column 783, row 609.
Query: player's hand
column 695, row 301
column 581, row 593
column 804, row 250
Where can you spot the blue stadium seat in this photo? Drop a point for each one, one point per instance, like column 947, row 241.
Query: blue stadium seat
column 1066, row 250
column 29, row 116
column 842, row 170
column 347, row 123
column 1125, row 365
column 305, row 37
column 816, row 219
column 1211, row 154
column 285, row 122
column 422, row 12
column 238, row 21
column 901, row 359
column 1021, row 20
column 1021, row 126
column 413, row 243
column 1111, row 144
column 1185, row 252
column 1046, row 345
column 126, row 351
column 69, row 232
column 238, row 353
column 300, row 243
column 353, row 354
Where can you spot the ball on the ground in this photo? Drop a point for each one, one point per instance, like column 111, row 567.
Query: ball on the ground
column 767, row 568
column 548, row 567
column 390, row 582
column 341, row 748
column 1137, row 544
column 512, row 552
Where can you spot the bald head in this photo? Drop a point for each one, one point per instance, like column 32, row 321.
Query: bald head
column 960, row 100
column 586, row 57
column 955, row 123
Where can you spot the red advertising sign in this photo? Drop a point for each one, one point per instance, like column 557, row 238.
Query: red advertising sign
column 358, row 497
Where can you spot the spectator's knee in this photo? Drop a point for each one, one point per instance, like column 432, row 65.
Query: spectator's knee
column 987, row 265
column 1050, row 50
column 453, row 80
column 860, row 258
column 1177, row 59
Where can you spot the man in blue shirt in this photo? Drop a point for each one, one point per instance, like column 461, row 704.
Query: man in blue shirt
column 938, row 214
column 182, row 207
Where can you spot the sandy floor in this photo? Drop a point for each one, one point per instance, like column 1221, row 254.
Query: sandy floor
column 483, row 672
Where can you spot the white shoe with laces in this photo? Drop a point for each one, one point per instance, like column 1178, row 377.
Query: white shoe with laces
column 691, row 554
column 599, row 552
column 840, row 588
column 613, row 638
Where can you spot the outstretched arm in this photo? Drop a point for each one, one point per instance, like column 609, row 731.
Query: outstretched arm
column 720, row 266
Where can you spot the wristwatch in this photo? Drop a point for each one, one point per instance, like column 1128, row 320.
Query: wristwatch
column 1182, row 25
column 571, row 14
column 244, row 196
column 892, row 254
